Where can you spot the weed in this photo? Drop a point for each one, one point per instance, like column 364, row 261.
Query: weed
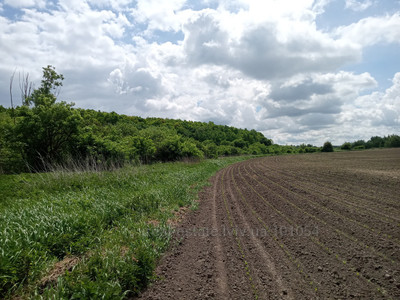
column 101, row 217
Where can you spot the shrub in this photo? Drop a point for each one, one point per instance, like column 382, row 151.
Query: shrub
column 327, row 147
column 359, row 147
column 346, row 146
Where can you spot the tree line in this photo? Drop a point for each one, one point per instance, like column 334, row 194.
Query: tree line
column 389, row 141
column 42, row 133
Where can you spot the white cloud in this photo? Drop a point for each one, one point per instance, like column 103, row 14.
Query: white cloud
column 319, row 5
column 372, row 30
column 358, row 5
column 25, row 3
column 159, row 15
column 117, row 5
column 375, row 114
column 264, row 50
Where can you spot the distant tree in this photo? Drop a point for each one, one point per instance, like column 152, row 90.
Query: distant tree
column 375, row 142
column 392, row 141
column 327, row 147
column 360, row 144
column 346, row 146
column 240, row 143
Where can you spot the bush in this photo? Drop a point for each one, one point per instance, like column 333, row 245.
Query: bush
column 359, row 147
column 346, row 146
column 327, row 147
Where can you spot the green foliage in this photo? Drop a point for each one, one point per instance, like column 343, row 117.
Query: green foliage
column 327, row 147
column 346, row 146
column 46, row 94
column 257, row 148
column 11, row 159
column 359, row 147
column 47, row 133
column 392, row 141
column 308, row 148
column 115, row 221
column 374, row 142
column 209, row 149
column 360, row 144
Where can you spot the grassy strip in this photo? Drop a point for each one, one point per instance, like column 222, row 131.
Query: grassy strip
column 114, row 222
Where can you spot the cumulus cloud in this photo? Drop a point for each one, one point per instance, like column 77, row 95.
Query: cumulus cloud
column 378, row 109
column 267, row 50
column 299, row 90
column 358, row 5
column 25, row 3
column 138, row 82
column 159, row 15
column 372, row 30
column 117, row 5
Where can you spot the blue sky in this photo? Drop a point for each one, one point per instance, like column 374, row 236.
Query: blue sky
column 302, row 71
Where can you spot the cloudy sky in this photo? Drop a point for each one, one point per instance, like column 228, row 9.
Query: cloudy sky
column 296, row 70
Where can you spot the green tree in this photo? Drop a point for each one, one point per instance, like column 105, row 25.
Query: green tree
column 346, row 146
column 392, row 141
column 10, row 157
column 375, row 142
column 327, row 147
column 49, row 89
column 144, row 148
column 360, row 144
column 48, row 129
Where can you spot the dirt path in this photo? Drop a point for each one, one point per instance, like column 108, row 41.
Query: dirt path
column 322, row 226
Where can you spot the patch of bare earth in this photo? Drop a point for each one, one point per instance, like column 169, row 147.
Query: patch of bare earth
column 320, row 226
column 59, row 269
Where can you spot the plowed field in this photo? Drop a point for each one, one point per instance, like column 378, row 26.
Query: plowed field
column 320, row 226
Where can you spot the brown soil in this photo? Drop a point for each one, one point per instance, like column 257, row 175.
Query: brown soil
column 320, row 226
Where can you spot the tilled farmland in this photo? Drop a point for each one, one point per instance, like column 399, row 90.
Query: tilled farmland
column 318, row 226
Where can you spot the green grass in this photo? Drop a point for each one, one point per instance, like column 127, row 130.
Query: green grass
column 115, row 222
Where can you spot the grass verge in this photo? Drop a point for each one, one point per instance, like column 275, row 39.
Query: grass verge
column 92, row 234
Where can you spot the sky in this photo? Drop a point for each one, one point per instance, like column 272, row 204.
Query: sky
column 299, row 71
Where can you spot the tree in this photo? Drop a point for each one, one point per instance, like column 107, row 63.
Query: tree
column 49, row 89
column 346, row 146
column 392, row 141
column 375, row 142
column 48, row 129
column 327, row 147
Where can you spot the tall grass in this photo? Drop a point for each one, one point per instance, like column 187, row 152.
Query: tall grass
column 114, row 222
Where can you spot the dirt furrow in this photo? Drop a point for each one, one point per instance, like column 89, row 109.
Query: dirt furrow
column 307, row 247
column 275, row 228
column 222, row 278
column 330, row 237
column 364, row 210
column 270, row 277
column 304, row 283
column 344, row 183
column 381, row 240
